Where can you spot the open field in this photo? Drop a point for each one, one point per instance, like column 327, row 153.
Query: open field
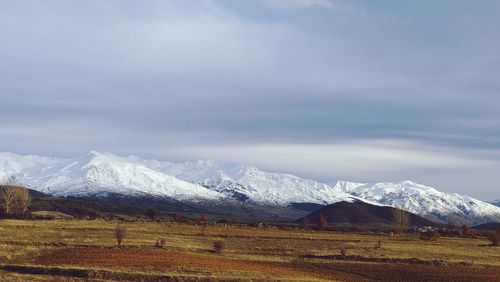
column 81, row 250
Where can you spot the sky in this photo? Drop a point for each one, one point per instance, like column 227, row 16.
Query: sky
column 365, row 91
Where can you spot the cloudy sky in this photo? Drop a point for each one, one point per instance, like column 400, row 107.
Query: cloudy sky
column 331, row 90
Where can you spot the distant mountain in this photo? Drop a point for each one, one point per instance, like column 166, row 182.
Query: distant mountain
column 425, row 201
column 247, row 183
column 361, row 213
column 99, row 175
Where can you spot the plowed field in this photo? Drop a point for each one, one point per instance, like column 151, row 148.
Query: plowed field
column 163, row 260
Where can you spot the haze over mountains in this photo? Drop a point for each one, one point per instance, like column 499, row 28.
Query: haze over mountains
column 103, row 173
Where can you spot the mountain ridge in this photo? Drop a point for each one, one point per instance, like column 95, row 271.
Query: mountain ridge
column 95, row 173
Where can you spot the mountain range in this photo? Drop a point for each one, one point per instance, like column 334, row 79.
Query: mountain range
column 102, row 174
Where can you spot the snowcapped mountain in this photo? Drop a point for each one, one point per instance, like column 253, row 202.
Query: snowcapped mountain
column 496, row 203
column 244, row 182
column 97, row 173
column 101, row 173
column 426, row 201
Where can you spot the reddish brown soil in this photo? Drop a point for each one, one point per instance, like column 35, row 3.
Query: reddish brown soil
column 162, row 259
column 347, row 271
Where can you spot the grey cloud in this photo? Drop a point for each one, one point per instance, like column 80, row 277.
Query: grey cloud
column 124, row 76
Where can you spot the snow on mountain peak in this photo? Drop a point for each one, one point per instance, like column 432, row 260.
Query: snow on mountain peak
column 427, row 201
column 96, row 173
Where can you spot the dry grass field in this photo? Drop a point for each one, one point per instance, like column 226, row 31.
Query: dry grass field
column 85, row 250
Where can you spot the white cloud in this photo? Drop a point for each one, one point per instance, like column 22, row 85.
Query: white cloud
column 347, row 158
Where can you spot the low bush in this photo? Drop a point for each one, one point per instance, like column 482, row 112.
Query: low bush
column 429, row 235
column 343, row 251
column 160, row 243
column 218, row 246
column 494, row 238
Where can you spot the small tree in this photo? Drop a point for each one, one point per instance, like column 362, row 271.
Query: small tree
column 178, row 217
column 23, row 200
column 8, row 198
column 152, row 213
column 204, row 218
column 304, row 223
column 465, row 230
column 450, row 226
column 120, row 233
column 322, row 223
column 400, row 220
column 204, row 221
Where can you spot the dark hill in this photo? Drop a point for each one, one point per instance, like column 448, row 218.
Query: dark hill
column 116, row 205
column 361, row 213
column 488, row 226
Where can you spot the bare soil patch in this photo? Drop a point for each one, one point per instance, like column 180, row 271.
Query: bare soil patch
column 338, row 270
column 163, row 259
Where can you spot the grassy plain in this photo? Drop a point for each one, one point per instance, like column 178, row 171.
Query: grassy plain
column 81, row 250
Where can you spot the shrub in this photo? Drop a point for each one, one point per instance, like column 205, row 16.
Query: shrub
column 120, row 233
column 218, row 246
column 343, row 251
column 160, row 243
column 378, row 245
column 285, row 227
column 494, row 238
column 429, row 235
